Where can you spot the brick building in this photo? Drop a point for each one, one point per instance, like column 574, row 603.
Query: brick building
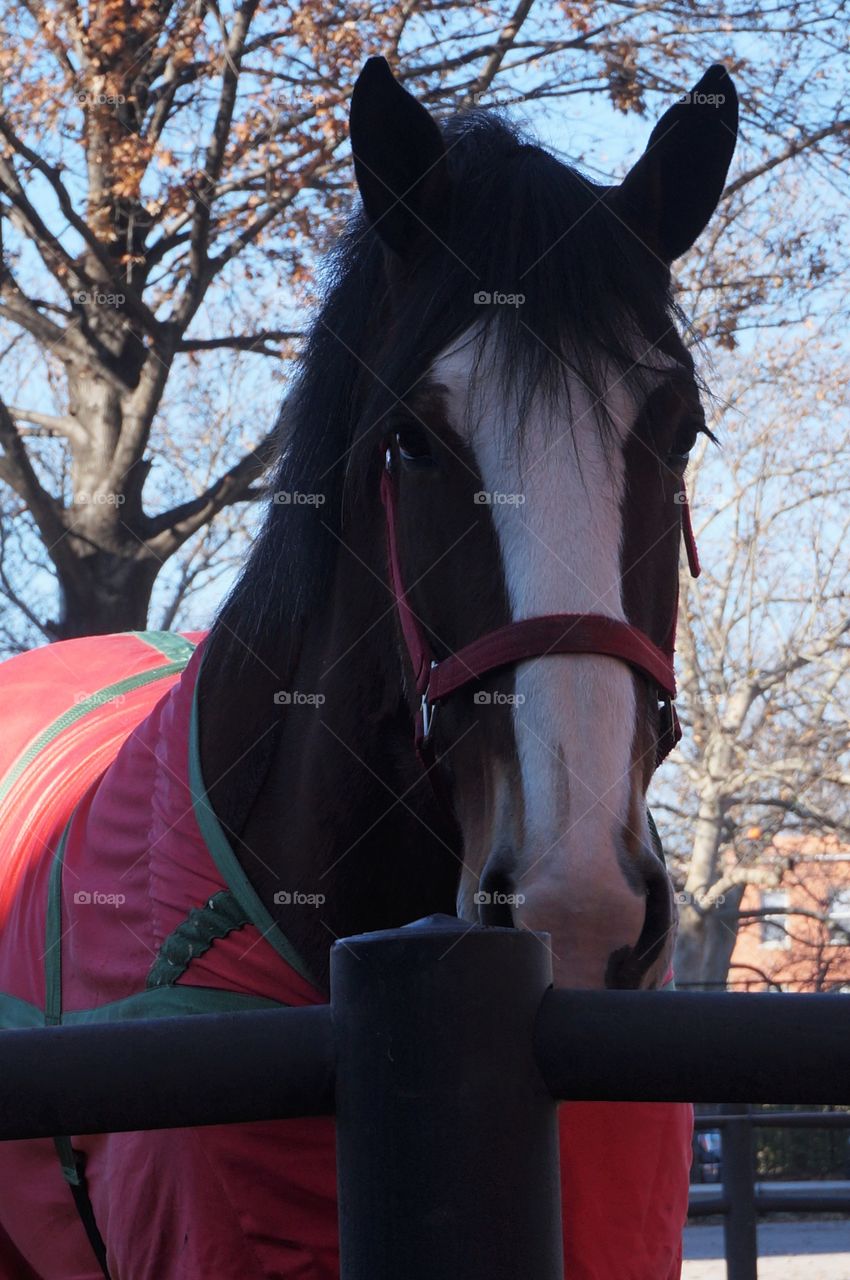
column 799, row 937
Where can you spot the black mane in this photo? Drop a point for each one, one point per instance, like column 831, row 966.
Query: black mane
column 521, row 223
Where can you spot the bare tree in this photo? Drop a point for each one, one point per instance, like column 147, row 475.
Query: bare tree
column 167, row 174
column 764, row 646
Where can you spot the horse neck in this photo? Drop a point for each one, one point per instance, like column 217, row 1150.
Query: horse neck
column 323, row 795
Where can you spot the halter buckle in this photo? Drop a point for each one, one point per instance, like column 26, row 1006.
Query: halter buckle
column 427, row 711
column 669, row 729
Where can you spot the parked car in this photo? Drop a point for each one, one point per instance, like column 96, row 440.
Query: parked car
column 708, row 1156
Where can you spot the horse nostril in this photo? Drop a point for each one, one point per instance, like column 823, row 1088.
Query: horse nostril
column 495, row 899
column 627, row 966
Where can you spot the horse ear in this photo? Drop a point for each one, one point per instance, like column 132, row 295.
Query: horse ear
column 672, row 191
column 399, row 159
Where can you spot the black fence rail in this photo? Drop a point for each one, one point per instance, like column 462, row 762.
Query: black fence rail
column 443, row 1054
column 741, row 1199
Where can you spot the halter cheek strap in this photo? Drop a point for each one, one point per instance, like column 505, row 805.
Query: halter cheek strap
column 688, row 536
column 588, row 633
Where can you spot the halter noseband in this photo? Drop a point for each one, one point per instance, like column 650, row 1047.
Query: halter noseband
column 529, row 638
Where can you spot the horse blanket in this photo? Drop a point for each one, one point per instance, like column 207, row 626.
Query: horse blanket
column 120, row 897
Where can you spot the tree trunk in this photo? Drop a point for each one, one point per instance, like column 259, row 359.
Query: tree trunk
column 691, row 941
column 699, row 949
column 105, row 570
column 106, row 593
column 721, row 934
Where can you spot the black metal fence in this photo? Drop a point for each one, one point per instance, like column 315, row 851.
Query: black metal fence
column 443, row 1053
column 741, row 1199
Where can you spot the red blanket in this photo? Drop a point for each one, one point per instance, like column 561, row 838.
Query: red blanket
column 104, row 728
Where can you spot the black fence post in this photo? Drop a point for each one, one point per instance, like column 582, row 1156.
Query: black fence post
column 447, row 1142
column 739, row 1171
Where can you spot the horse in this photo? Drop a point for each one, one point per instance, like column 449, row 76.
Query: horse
column 441, row 684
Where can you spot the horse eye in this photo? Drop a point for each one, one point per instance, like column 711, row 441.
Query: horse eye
column 413, row 445
column 686, row 438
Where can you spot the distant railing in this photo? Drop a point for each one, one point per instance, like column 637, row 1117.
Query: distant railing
column 740, row 1198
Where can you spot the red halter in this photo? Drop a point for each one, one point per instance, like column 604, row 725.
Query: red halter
column 530, row 638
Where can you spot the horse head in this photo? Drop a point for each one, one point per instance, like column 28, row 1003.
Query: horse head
column 499, row 358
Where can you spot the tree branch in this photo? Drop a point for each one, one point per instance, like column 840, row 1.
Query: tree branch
column 60, row 425
column 12, row 595
column 506, row 38
column 20, row 474
column 243, row 238
column 55, row 257
column 168, row 531
column 817, row 819
column 241, row 342
column 213, row 162
column 21, row 311
column 772, row 676
column 133, row 303
column 793, row 149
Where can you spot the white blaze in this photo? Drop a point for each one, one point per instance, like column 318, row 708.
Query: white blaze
column 557, row 513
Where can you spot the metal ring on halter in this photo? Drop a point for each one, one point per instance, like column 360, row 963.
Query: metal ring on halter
column 427, row 711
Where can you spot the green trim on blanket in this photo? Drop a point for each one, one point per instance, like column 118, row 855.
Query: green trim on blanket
column 53, row 935
column 69, row 1161
column 225, row 859
column 159, row 1002
column 219, row 916
column 171, row 1002
column 82, row 708
column 19, row 1015
column 164, row 1002
column 171, row 645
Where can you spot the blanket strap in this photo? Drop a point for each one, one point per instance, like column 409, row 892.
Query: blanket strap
column 73, row 1162
column 220, row 915
column 74, row 1172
